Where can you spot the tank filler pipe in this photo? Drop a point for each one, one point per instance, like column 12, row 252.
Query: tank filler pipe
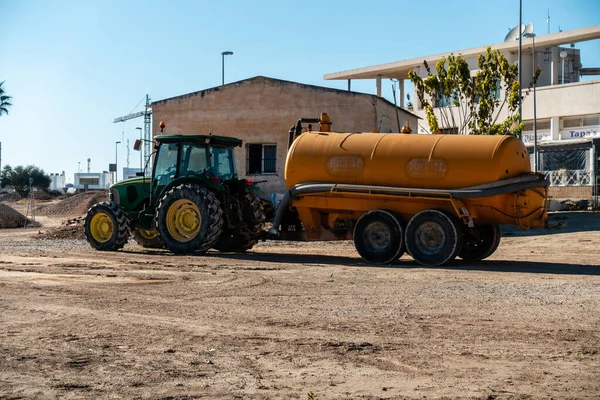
column 473, row 192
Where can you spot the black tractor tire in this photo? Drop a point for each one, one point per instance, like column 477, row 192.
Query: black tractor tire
column 246, row 237
column 147, row 238
column 433, row 238
column 379, row 237
column 106, row 226
column 189, row 219
column 480, row 242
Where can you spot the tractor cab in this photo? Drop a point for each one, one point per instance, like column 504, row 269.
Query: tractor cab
column 181, row 158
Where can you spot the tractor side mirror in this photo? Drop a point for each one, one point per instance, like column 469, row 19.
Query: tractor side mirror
column 137, row 145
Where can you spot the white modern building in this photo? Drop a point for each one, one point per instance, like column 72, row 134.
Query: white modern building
column 92, row 180
column 132, row 172
column 567, row 105
column 57, row 181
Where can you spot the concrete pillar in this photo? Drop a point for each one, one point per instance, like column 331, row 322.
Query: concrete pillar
column 555, row 128
column 378, row 84
column 554, row 65
column 401, row 90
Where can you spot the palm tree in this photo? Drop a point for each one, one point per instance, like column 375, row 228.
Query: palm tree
column 4, row 101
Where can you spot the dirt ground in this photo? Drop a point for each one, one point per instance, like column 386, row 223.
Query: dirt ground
column 299, row 321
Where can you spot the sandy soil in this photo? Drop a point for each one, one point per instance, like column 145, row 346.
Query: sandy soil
column 299, row 321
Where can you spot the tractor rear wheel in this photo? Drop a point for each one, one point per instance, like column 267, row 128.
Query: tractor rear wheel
column 189, row 219
column 253, row 217
column 147, row 238
column 433, row 238
column 379, row 237
column 106, row 227
column 480, row 242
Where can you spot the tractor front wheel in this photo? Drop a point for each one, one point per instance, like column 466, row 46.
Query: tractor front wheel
column 189, row 219
column 106, row 227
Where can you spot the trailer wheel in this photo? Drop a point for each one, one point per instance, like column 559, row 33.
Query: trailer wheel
column 433, row 238
column 147, row 238
column 379, row 237
column 106, row 227
column 189, row 219
column 480, row 242
column 253, row 218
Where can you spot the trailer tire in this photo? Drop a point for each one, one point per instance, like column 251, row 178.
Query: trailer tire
column 433, row 238
column 188, row 219
column 147, row 238
column 379, row 237
column 106, row 227
column 480, row 242
column 253, row 218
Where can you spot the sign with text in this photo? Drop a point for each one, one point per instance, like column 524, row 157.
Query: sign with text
column 528, row 137
column 579, row 133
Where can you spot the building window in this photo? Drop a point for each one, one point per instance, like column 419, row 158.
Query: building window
column 443, row 100
column 564, row 160
column 89, row 181
column 261, row 159
column 540, row 125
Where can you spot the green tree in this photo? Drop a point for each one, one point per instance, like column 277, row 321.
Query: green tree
column 4, row 100
column 18, row 178
column 470, row 103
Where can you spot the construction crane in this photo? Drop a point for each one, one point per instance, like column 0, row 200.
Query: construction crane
column 147, row 128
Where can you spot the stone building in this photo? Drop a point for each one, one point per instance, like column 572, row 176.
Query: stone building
column 261, row 110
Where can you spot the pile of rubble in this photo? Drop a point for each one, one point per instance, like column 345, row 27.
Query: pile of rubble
column 10, row 218
column 69, row 229
column 10, row 197
column 76, row 204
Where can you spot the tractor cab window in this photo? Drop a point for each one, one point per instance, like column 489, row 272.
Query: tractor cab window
column 166, row 163
column 221, row 162
column 193, row 159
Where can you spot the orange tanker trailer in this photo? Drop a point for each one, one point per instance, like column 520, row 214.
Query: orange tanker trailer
column 435, row 196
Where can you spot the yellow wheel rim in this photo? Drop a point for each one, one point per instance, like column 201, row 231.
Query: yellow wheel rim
column 183, row 220
column 148, row 233
column 101, row 227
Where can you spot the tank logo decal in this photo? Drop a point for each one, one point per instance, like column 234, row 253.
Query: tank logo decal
column 345, row 166
column 423, row 168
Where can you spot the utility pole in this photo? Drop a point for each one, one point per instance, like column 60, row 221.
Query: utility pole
column 520, row 74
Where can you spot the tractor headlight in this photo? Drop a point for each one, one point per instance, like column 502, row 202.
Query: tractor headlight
column 113, row 195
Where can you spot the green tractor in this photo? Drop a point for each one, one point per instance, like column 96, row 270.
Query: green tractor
column 194, row 201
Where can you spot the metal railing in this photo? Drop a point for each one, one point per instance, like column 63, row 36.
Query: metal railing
column 566, row 177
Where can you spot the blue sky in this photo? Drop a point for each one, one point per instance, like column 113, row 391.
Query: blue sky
column 72, row 66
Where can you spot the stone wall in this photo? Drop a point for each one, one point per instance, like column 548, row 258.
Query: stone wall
column 262, row 110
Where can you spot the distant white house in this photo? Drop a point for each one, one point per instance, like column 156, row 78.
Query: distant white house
column 93, row 180
column 57, row 181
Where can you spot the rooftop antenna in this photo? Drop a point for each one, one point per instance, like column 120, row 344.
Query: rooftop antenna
column 548, row 21
column 89, row 164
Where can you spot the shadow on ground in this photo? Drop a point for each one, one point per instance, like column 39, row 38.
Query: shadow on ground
column 457, row 265
column 576, row 221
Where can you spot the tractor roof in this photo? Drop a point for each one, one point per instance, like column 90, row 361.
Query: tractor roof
column 208, row 139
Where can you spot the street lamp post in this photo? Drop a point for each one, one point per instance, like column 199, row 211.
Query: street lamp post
column 519, row 57
column 141, row 163
column 563, row 55
column 116, row 161
column 533, row 62
column 223, row 54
